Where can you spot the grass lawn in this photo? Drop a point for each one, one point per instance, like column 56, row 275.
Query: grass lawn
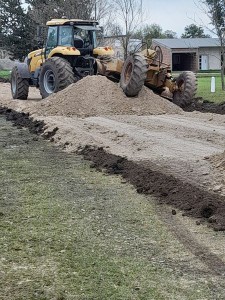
column 4, row 73
column 204, row 88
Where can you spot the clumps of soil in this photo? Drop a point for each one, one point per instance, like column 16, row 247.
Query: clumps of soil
column 97, row 95
column 167, row 189
column 205, row 106
column 23, row 120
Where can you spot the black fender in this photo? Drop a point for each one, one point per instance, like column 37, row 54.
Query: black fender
column 23, row 70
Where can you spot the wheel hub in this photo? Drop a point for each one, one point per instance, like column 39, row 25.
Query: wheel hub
column 49, row 81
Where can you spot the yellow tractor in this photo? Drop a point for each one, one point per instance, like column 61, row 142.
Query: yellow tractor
column 71, row 53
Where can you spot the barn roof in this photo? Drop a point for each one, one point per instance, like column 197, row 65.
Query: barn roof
column 188, row 43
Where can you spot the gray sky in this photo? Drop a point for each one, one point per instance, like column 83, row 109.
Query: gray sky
column 175, row 14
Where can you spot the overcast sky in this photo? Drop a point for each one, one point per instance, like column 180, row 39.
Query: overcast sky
column 175, row 14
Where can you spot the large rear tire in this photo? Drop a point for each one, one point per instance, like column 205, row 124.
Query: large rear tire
column 56, row 74
column 19, row 85
column 133, row 74
column 187, row 87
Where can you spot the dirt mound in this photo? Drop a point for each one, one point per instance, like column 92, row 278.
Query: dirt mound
column 96, row 95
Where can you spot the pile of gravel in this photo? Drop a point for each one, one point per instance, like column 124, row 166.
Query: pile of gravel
column 96, row 95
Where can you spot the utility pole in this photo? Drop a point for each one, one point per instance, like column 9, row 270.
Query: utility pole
column 95, row 10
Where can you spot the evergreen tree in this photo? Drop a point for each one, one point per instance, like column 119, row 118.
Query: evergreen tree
column 194, row 31
column 42, row 11
column 153, row 31
column 16, row 29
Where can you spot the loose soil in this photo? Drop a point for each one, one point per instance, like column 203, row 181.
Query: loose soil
column 96, row 95
column 206, row 107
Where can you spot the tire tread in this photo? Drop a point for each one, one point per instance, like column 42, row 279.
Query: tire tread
column 22, row 85
column 138, row 76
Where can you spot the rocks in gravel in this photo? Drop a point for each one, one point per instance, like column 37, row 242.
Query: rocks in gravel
column 217, row 188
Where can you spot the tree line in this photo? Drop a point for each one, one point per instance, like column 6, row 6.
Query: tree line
column 19, row 20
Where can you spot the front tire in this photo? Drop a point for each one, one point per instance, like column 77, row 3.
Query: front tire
column 56, row 74
column 186, row 89
column 19, row 85
column 133, row 74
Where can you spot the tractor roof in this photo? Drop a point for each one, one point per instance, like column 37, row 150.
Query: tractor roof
column 65, row 21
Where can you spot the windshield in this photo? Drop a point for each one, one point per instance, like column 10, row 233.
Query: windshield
column 65, row 36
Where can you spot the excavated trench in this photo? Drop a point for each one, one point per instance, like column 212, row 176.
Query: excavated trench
column 194, row 202
column 206, row 107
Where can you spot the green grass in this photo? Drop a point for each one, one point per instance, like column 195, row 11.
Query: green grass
column 5, row 74
column 204, row 88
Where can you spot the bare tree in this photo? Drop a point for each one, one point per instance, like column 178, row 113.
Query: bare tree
column 101, row 9
column 129, row 14
column 216, row 13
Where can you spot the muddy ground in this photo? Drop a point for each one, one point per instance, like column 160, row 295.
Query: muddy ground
column 176, row 156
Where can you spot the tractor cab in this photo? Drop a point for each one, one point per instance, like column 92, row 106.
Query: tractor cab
column 74, row 40
column 76, row 35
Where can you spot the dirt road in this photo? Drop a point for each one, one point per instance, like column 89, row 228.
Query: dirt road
column 176, row 144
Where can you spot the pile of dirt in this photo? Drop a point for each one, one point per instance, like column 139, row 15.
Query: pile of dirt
column 96, row 95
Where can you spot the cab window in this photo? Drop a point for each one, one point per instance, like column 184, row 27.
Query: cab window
column 86, row 38
column 52, row 37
